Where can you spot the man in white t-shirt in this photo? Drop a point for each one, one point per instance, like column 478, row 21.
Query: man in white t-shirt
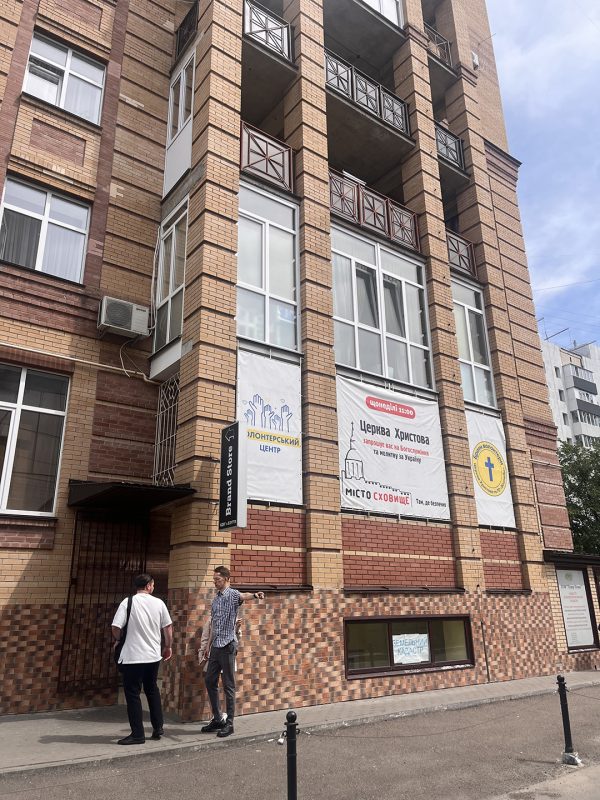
column 141, row 655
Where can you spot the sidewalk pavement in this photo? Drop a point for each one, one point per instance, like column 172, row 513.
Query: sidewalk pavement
column 32, row 743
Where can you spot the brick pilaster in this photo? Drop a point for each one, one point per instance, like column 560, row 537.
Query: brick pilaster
column 422, row 193
column 305, row 126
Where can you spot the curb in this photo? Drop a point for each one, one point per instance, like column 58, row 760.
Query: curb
column 172, row 753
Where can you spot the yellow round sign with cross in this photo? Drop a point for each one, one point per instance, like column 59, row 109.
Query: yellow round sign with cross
column 489, row 468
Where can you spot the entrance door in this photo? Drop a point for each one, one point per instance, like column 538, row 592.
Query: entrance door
column 109, row 549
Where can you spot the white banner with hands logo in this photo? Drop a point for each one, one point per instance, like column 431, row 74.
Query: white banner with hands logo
column 269, row 411
column 391, row 454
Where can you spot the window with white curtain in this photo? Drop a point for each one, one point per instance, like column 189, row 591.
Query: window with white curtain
column 65, row 78
column 43, row 231
column 379, row 310
column 181, row 99
column 170, row 279
column 267, row 306
column 473, row 350
column 32, row 416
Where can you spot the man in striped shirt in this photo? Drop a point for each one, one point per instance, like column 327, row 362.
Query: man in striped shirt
column 221, row 649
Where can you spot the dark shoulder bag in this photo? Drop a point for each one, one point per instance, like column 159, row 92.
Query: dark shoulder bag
column 121, row 642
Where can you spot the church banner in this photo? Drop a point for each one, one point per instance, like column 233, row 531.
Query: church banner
column 269, row 412
column 391, row 454
column 490, row 470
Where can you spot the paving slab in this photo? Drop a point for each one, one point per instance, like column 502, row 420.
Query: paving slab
column 87, row 737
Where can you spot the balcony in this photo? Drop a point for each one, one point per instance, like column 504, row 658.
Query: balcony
column 450, row 156
column 460, row 253
column 368, row 30
column 266, row 158
column 357, row 203
column 367, row 125
column 186, row 31
column 441, row 72
column 267, row 62
column 437, row 45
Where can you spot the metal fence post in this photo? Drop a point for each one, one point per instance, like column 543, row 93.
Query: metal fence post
column 569, row 756
column 291, row 737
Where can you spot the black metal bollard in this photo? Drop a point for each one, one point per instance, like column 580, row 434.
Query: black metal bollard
column 569, row 755
column 291, row 737
column 564, row 709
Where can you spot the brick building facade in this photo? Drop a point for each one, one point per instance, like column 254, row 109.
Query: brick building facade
column 315, row 201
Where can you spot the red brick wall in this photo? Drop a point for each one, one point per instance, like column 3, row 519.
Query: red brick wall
column 281, row 559
column 419, row 555
column 123, row 437
column 501, row 546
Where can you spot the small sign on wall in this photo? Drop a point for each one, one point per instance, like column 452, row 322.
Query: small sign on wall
column 575, row 608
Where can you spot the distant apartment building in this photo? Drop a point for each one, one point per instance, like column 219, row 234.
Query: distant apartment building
column 301, row 216
column 573, row 376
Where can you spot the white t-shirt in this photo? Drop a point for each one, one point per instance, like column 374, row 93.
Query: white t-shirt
column 148, row 617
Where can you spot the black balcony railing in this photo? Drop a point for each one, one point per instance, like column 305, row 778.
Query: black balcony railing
column 372, row 210
column 365, row 92
column 449, row 146
column 265, row 157
column 187, row 30
column 460, row 253
column 439, row 46
column 268, row 29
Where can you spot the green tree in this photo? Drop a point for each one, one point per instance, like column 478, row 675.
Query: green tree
column 581, row 477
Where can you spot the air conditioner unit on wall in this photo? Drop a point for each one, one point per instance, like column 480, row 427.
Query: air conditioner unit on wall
column 123, row 318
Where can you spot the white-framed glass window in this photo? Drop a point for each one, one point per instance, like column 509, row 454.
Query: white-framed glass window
column 181, row 98
column 32, row 416
column 473, row 349
column 170, row 279
column 43, row 231
column 267, row 279
column 391, row 9
column 379, row 310
column 64, row 77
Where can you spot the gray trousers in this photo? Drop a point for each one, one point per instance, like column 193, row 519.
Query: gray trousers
column 222, row 660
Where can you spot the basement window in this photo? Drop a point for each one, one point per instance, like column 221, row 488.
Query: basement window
column 390, row 645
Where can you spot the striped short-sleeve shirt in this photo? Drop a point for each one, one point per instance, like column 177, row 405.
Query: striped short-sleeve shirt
column 224, row 611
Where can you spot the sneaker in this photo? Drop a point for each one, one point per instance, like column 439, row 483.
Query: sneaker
column 213, row 725
column 226, row 730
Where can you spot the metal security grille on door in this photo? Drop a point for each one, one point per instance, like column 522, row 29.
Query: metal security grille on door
column 109, row 549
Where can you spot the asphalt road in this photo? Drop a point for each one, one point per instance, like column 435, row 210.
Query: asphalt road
column 471, row 754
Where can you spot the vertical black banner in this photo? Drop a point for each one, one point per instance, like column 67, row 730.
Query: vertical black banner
column 228, row 485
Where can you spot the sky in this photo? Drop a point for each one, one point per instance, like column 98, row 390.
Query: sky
column 548, row 58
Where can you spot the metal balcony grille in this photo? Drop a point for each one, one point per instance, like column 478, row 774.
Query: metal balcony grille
column 439, row 46
column 266, row 28
column 460, row 253
column 187, row 30
column 365, row 92
column 449, row 146
column 166, row 433
column 266, row 157
column 372, row 210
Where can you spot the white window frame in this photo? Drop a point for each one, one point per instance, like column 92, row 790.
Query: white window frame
column 265, row 290
column 381, row 331
column 13, row 432
column 377, row 5
column 182, row 120
column 471, row 363
column 45, row 221
column 167, row 230
column 67, row 71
